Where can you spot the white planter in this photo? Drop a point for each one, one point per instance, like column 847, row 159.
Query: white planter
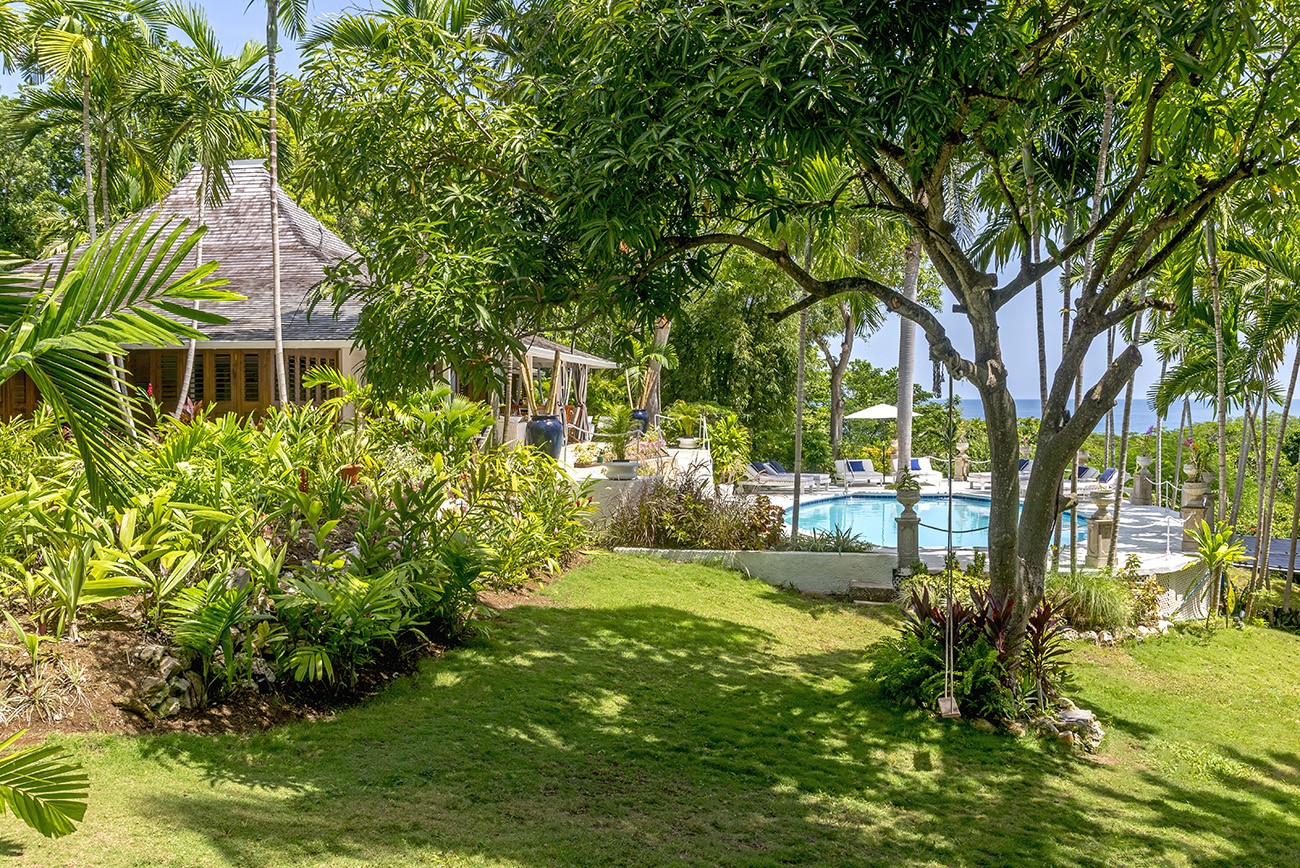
column 621, row 469
column 687, row 443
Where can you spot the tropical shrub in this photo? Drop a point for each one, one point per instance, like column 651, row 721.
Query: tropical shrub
column 246, row 548
column 1091, row 599
column 683, row 512
column 996, row 675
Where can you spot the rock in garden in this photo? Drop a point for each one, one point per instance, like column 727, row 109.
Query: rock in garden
column 1088, row 635
column 1069, row 634
column 151, row 653
column 1066, row 737
column 170, row 707
column 238, row 578
column 1163, row 625
column 1144, row 631
column 170, row 666
column 1016, row 728
column 982, row 725
column 1106, row 638
column 154, row 690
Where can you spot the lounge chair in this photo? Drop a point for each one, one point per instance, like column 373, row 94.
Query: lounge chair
column 1094, row 480
column 858, row 472
column 760, row 476
column 924, row 473
column 776, row 471
column 984, row 479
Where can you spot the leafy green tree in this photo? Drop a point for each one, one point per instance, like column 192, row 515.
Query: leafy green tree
column 32, row 177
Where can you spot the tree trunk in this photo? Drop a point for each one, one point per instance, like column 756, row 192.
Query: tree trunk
column 1067, row 279
column 87, row 157
column 1160, row 445
column 798, row 400
column 272, row 46
column 1249, row 412
column 654, row 370
column 1220, row 374
column 1295, row 536
column 1121, row 466
column 907, row 355
column 191, row 346
column 1031, row 195
column 1265, row 536
column 798, row 424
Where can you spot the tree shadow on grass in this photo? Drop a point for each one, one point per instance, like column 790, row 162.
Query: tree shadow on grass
column 643, row 735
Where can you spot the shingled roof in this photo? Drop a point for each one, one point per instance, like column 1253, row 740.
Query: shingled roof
column 239, row 238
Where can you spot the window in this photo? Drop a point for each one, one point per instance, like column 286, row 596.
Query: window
column 252, row 382
column 222, row 365
column 169, row 377
column 198, row 379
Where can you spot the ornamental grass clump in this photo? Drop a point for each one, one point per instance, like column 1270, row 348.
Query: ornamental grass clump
column 1092, row 599
column 684, row 513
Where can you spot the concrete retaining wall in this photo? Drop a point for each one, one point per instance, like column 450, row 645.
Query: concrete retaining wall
column 812, row 572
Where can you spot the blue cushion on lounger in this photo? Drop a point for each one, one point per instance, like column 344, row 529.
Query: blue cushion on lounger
column 757, row 468
column 1084, row 470
column 857, row 467
column 776, row 465
column 1024, row 464
column 916, row 464
column 1107, row 475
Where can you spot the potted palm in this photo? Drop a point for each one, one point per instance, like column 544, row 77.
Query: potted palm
column 622, row 434
column 907, row 489
column 685, row 421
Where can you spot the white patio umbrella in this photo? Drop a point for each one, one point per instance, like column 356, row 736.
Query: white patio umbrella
column 876, row 411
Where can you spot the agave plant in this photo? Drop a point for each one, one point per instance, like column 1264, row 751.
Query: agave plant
column 61, row 326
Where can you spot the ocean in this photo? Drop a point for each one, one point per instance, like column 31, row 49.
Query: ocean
column 1142, row 419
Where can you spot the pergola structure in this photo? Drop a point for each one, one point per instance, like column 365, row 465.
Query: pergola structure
column 574, row 372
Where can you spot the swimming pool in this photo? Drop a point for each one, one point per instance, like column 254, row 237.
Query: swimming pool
column 871, row 516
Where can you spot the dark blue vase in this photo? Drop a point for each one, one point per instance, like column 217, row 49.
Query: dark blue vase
column 642, row 418
column 546, row 432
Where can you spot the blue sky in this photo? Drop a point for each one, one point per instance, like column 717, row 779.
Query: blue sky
column 236, row 23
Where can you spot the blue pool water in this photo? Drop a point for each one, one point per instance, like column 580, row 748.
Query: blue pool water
column 871, row 516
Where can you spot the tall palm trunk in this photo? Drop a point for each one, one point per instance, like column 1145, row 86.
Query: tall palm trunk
column 191, row 347
column 654, row 370
column 1031, row 195
column 798, row 399
column 1067, row 278
column 1249, row 415
column 272, row 40
column 907, row 355
column 1264, row 540
column 1295, row 537
column 1220, row 374
column 87, row 156
column 1160, row 444
column 1122, row 464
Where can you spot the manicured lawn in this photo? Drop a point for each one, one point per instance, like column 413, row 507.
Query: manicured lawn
column 665, row 714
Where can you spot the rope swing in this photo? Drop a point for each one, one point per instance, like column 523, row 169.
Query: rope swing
column 948, row 702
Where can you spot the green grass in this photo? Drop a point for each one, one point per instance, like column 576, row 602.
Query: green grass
column 673, row 714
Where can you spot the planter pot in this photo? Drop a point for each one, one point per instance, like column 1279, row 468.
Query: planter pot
column 642, row 418
column 621, row 469
column 687, row 443
column 350, row 473
column 1190, row 473
column 908, row 498
column 546, row 432
column 726, row 489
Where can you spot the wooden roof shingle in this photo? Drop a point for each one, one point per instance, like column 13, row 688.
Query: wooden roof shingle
column 239, row 238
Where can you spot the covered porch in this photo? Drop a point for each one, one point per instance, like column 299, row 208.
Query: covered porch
column 574, row 372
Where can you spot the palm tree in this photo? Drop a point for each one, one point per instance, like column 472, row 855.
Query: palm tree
column 60, row 326
column 292, row 15
column 204, row 114
column 73, row 40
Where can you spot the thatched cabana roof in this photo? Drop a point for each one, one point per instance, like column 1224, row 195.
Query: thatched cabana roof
column 239, row 238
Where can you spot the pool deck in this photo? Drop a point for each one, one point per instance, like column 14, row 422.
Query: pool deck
column 1152, row 533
